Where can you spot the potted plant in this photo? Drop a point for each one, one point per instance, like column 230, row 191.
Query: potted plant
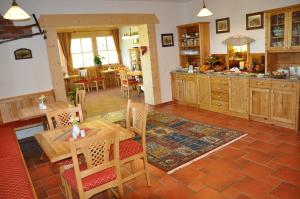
column 72, row 95
column 98, row 60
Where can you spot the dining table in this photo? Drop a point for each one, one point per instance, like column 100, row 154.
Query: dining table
column 55, row 143
column 36, row 112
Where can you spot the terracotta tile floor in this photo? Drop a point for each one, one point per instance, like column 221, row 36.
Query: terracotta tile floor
column 264, row 165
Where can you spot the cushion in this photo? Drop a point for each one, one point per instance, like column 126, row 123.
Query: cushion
column 64, row 162
column 97, row 79
column 90, row 181
column 128, row 148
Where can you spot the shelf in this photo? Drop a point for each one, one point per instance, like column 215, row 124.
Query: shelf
column 277, row 37
column 281, row 24
column 190, row 46
column 188, row 38
column 189, row 55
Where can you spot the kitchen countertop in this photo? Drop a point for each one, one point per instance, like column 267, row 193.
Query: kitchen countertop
column 250, row 76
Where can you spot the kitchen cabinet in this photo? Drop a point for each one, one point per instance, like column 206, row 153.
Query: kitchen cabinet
column 283, row 29
column 260, row 104
column 284, row 104
column 219, row 94
column 204, row 91
column 239, row 96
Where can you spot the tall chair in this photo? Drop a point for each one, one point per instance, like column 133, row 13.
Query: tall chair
column 61, row 118
column 127, row 84
column 100, row 172
column 130, row 150
column 83, row 81
column 95, row 80
column 80, row 99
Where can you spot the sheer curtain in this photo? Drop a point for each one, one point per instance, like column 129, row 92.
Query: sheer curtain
column 115, row 34
column 65, row 44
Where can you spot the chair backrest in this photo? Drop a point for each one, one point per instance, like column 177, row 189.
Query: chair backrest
column 62, row 117
column 136, row 119
column 92, row 73
column 96, row 151
column 80, row 98
column 83, row 73
column 123, row 77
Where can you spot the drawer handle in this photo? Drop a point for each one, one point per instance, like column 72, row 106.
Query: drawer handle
column 218, row 88
column 259, row 83
column 219, row 104
column 219, row 96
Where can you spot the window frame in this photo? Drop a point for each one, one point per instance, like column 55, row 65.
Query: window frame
column 107, row 47
column 93, row 36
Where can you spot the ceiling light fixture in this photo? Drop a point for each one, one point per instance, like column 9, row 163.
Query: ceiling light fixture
column 204, row 12
column 15, row 12
column 130, row 35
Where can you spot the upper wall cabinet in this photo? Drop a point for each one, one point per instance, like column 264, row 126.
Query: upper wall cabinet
column 283, row 29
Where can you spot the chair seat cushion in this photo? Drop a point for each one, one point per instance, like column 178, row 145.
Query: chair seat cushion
column 130, row 81
column 82, row 81
column 91, row 181
column 97, row 79
column 65, row 162
column 128, row 148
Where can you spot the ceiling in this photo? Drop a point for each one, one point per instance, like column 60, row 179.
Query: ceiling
column 170, row 1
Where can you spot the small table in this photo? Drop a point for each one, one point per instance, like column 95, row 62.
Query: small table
column 55, row 142
column 36, row 112
column 110, row 76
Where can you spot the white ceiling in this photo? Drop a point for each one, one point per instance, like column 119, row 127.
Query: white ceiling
column 171, row 1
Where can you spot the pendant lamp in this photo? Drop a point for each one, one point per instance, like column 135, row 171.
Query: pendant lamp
column 15, row 12
column 204, row 12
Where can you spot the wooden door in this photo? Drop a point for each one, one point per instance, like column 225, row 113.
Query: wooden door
column 190, row 89
column 277, row 30
column 284, row 106
column 180, row 89
column 204, row 91
column 260, row 103
column 294, row 29
column 239, row 95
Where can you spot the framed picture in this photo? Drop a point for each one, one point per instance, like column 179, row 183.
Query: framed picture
column 255, row 20
column 167, row 40
column 23, row 53
column 222, row 25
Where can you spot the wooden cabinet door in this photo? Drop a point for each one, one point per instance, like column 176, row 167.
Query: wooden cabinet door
column 284, row 106
column 204, row 91
column 277, row 30
column 239, row 95
column 174, row 86
column 190, row 89
column 294, row 28
column 179, row 90
column 260, row 103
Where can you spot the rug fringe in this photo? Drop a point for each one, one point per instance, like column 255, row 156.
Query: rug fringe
column 206, row 154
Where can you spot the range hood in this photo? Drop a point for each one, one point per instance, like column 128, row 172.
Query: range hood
column 238, row 40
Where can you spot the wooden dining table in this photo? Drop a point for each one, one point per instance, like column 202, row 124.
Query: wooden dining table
column 36, row 112
column 55, row 143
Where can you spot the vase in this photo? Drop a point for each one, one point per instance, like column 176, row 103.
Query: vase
column 42, row 106
column 75, row 131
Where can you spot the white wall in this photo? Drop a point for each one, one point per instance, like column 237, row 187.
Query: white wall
column 236, row 10
column 169, row 15
column 126, row 44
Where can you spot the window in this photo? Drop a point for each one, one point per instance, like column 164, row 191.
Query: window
column 107, row 49
column 82, row 52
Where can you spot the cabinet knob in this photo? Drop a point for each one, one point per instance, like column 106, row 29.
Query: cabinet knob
column 219, row 88
column 219, row 96
column 283, row 85
column 259, row 83
column 219, row 104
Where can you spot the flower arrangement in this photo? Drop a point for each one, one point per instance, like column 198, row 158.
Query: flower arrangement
column 74, row 120
column 211, row 60
column 42, row 99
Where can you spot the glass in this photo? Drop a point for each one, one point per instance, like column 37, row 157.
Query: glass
column 113, row 57
column 295, row 28
column 77, row 60
column 101, row 43
column 277, row 30
column 75, row 46
column 110, row 43
column 88, row 59
column 86, row 45
column 105, row 59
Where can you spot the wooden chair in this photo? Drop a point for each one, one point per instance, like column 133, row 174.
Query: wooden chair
column 83, row 81
column 130, row 150
column 62, row 117
column 80, row 99
column 127, row 84
column 100, row 171
column 95, row 80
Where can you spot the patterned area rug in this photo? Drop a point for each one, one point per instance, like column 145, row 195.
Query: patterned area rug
column 174, row 142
